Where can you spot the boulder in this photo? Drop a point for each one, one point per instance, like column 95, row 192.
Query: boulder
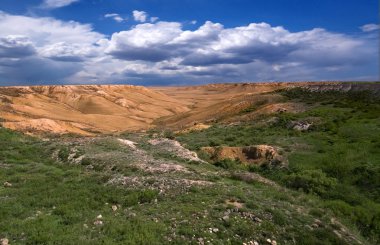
column 4, row 241
column 300, row 125
column 7, row 184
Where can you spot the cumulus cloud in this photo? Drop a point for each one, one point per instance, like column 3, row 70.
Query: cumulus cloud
column 168, row 53
column 67, row 52
column 115, row 17
column 370, row 27
column 140, row 16
column 44, row 48
column 52, row 4
column 213, row 44
column 43, row 30
column 146, row 42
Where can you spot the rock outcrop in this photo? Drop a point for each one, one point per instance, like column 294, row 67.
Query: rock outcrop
column 257, row 154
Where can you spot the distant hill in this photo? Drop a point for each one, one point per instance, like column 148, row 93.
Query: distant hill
column 93, row 109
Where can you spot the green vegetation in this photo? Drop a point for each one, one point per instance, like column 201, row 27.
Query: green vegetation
column 55, row 190
column 50, row 203
column 337, row 159
column 59, row 202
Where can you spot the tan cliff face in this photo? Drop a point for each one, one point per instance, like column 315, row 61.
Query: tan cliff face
column 92, row 109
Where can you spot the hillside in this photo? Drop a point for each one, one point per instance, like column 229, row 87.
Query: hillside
column 92, row 109
column 216, row 164
column 83, row 109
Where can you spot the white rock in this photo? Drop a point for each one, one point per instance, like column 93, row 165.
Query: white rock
column 4, row 241
column 7, row 184
column 98, row 222
column 128, row 143
column 114, row 208
column 99, row 216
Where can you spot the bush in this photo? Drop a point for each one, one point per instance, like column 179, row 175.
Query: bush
column 311, row 181
column 63, row 154
column 339, row 207
column 169, row 134
column 147, row 196
column 227, row 164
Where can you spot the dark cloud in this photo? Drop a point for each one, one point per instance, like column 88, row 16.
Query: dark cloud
column 16, row 47
column 142, row 54
column 34, row 70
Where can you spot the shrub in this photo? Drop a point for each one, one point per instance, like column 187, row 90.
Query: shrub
column 63, row 153
column 311, row 181
column 169, row 134
column 227, row 164
column 339, row 207
column 147, row 195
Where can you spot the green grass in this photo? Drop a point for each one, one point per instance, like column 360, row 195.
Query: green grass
column 338, row 159
column 58, row 202
column 52, row 204
column 333, row 173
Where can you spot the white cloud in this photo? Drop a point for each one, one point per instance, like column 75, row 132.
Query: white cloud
column 154, row 19
column 140, row 16
column 115, row 17
column 44, row 48
column 147, row 42
column 167, row 53
column 42, row 31
column 370, row 27
column 257, row 51
column 62, row 51
column 52, row 4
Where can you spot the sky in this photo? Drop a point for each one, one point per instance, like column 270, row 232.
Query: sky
column 186, row 42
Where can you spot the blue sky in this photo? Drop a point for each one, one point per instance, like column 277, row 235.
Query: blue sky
column 162, row 42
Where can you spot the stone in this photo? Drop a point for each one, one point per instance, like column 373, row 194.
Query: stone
column 226, row 218
column 281, row 110
column 299, row 125
column 314, row 225
column 114, row 208
column 4, row 241
column 318, row 222
column 274, row 242
column 98, row 222
column 99, row 216
column 7, row 184
column 257, row 219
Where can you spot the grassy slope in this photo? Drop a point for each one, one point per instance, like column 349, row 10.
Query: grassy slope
column 57, row 203
column 338, row 160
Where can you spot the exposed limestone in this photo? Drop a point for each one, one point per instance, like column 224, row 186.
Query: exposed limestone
column 300, row 125
column 175, row 147
column 129, row 143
